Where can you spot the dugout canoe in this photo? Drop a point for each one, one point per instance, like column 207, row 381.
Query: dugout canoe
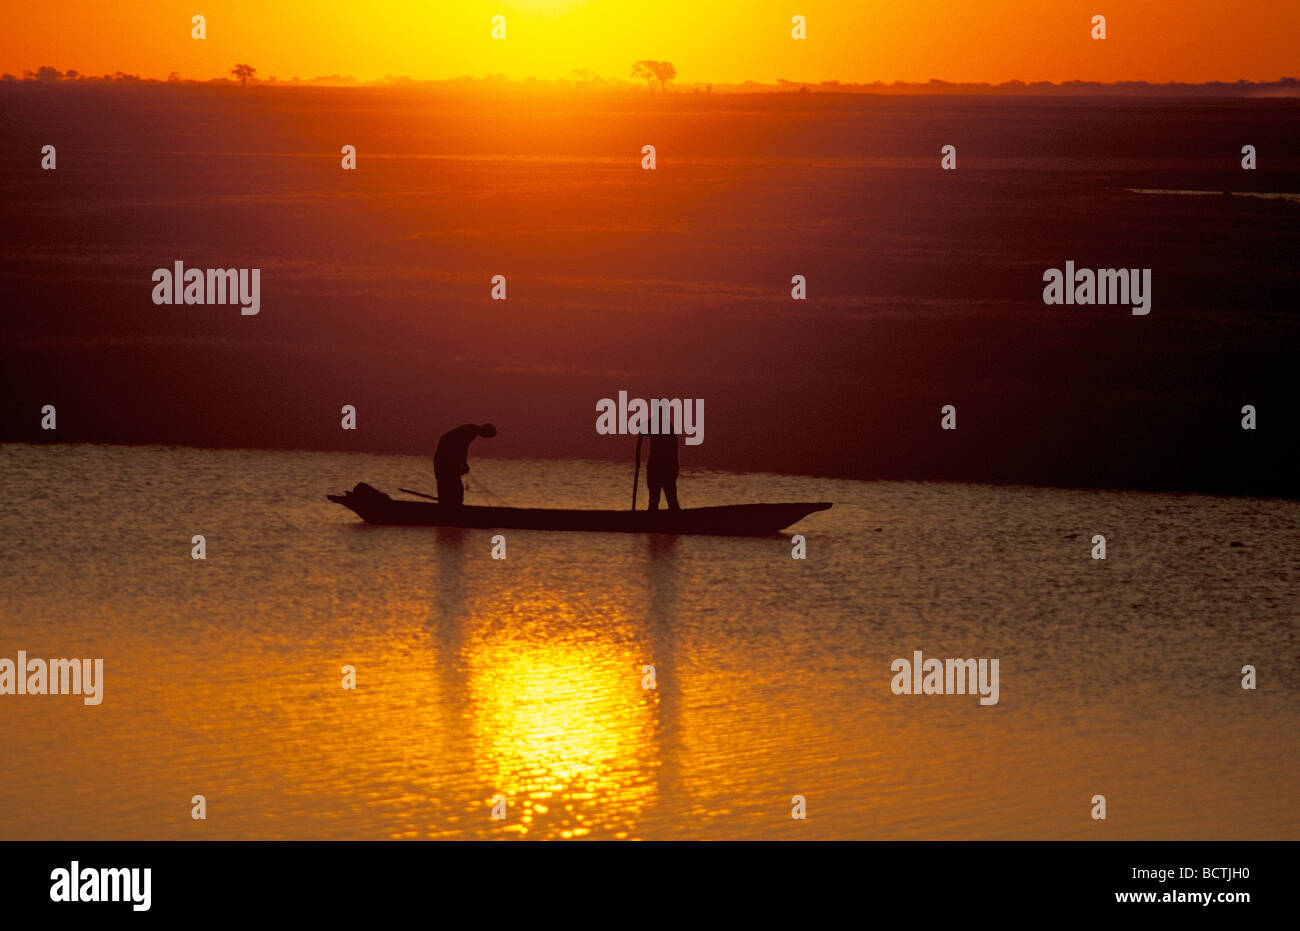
column 375, row 507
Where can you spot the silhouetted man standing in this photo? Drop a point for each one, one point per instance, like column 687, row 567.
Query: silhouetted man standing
column 450, row 461
column 661, row 468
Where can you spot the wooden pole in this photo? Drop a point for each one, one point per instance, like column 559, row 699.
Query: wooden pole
column 636, row 472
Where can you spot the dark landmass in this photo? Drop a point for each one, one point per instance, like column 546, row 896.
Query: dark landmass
column 1282, row 87
column 924, row 286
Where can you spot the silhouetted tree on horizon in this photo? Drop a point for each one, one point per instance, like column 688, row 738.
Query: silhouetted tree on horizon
column 243, row 72
column 45, row 74
column 650, row 70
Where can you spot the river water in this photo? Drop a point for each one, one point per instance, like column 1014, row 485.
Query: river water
column 523, row 678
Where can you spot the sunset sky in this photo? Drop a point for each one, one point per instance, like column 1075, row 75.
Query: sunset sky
column 724, row 41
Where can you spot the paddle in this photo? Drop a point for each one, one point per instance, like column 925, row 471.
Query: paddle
column 418, row 493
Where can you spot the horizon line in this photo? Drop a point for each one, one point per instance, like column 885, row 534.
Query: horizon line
column 1283, row 86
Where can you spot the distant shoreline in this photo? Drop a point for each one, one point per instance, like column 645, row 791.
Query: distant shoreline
column 687, row 469
column 1285, row 87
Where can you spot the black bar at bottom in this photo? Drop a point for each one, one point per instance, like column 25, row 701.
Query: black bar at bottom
column 654, row 882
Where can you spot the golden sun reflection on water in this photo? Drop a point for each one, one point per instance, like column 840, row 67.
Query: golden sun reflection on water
column 560, row 726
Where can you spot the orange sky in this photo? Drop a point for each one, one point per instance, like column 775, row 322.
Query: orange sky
column 726, row 41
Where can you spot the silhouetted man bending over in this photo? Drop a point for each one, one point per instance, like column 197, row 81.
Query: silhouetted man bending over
column 661, row 468
column 450, row 461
